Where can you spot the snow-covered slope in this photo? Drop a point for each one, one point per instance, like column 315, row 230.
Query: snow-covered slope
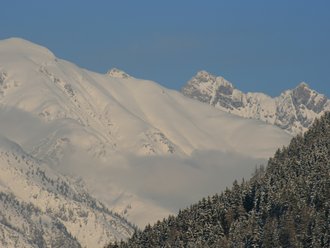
column 294, row 110
column 41, row 208
column 100, row 112
column 123, row 134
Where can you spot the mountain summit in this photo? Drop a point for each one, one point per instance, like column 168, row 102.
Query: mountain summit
column 294, row 110
column 116, row 73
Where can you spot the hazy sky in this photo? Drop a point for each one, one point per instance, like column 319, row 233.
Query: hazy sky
column 261, row 45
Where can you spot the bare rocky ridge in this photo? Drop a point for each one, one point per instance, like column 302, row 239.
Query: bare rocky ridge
column 116, row 73
column 294, row 110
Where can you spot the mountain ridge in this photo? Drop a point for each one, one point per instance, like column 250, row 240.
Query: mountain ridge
column 53, row 207
column 293, row 110
column 114, row 131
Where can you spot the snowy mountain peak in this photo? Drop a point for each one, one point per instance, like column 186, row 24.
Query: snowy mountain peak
column 302, row 92
column 294, row 110
column 206, row 77
column 116, row 73
column 303, row 85
column 21, row 47
column 206, row 87
column 308, row 99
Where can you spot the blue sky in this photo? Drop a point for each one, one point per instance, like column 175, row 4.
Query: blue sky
column 265, row 46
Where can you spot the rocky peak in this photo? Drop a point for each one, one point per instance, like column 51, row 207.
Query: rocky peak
column 116, row 73
column 303, row 85
column 311, row 99
column 206, row 77
column 203, row 77
column 301, row 94
column 294, row 110
column 224, row 86
column 205, row 82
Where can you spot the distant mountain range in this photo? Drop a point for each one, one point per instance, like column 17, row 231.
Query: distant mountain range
column 294, row 110
column 76, row 143
column 124, row 137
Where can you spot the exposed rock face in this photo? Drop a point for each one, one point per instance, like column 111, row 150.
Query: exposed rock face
column 116, row 73
column 294, row 110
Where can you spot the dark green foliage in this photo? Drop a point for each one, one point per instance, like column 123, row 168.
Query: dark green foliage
column 285, row 205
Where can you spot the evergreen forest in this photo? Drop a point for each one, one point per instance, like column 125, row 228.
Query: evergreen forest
column 285, row 204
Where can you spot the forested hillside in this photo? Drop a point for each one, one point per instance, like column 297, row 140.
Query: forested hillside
column 287, row 204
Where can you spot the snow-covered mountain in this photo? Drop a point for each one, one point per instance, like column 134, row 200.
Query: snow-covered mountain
column 41, row 208
column 138, row 146
column 294, row 110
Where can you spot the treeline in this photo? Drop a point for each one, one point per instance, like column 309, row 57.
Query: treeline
column 285, row 205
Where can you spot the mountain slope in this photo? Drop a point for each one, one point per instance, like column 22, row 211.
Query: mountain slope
column 286, row 205
column 110, row 110
column 294, row 110
column 113, row 130
column 45, row 209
